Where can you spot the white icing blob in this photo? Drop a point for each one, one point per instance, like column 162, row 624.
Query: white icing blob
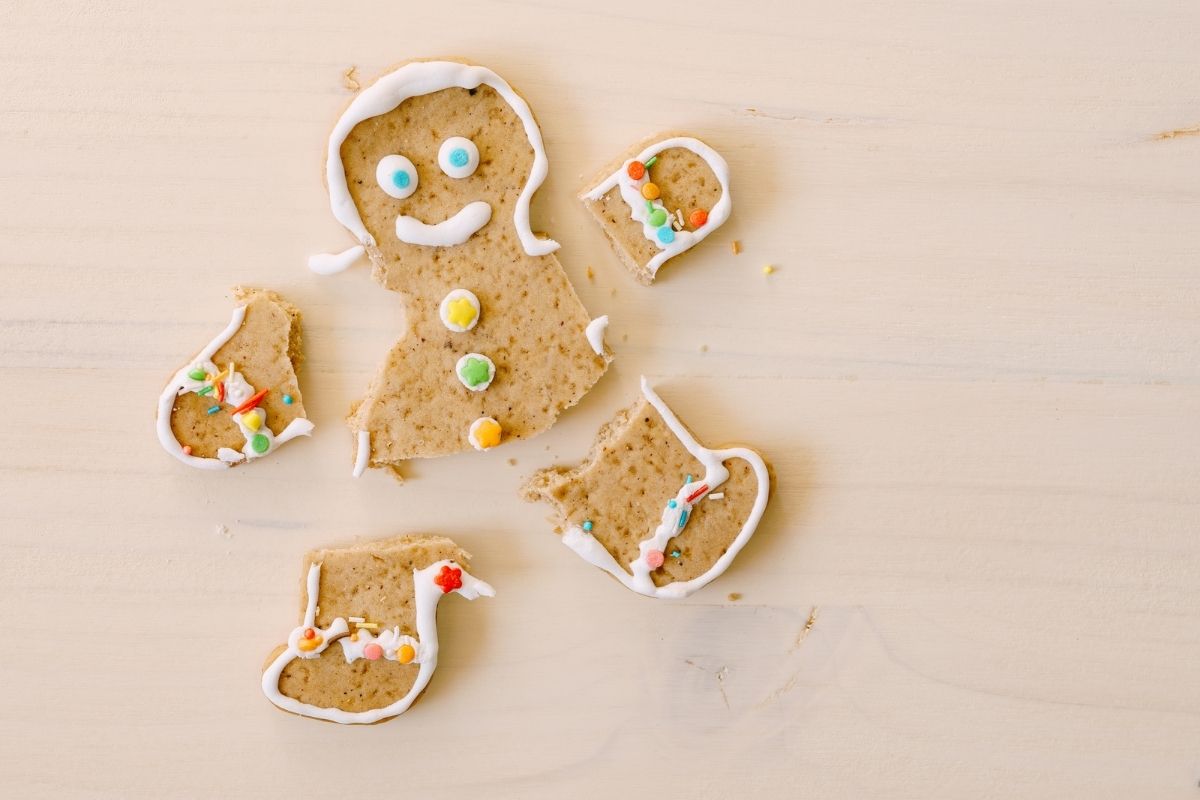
column 675, row 515
column 595, row 333
column 363, row 455
column 333, row 263
column 458, row 157
column 444, row 309
column 455, row 230
column 632, row 195
column 424, row 77
column 428, row 594
column 479, row 387
column 397, row 176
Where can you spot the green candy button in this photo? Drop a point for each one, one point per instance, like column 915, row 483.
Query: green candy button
column 658, row 217
column 197, row 374
column 260, row 443
column 474, row 371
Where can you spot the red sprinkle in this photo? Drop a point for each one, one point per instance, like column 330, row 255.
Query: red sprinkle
column 697, row 218
column 449, row 579
column 221, row 392
column 252, row 402
column 636, row 170
column 699, row 491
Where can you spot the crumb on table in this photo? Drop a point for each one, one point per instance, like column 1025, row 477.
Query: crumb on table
column 735, row 596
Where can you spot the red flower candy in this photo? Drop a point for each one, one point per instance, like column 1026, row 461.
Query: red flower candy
column 449, row 579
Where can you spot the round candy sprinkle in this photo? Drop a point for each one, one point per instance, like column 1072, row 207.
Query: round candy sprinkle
column 636, row 170
column 671, row 504
column 287, row 400
column 187, row 449
column 666, row 235
column 405, row 653
column 260, row 443
column 587, row 525
column 697, row 218
column 197, row 374
column 309, row 633
column 650, row 191
column 654, row 559
column 658, row 217
column 373, row 651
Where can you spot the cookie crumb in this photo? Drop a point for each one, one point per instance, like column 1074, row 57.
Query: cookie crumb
column 734, row 596
column 736, row 246
column 590, row 274
column 703, row 348
column 350, row 80
column 512, row 462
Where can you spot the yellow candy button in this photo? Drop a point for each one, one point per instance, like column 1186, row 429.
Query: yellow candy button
column 485, row 433
column 405, row 653
column 252, row 420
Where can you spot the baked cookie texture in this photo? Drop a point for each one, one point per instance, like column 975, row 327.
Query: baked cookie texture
column 651, row 506
column 367, row 644
column 239, row 398
column 475, row 281
column 660, row 199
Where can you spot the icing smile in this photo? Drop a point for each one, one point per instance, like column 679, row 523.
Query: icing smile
column 452, row 231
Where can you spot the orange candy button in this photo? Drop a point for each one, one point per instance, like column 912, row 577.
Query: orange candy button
column 636, row 170
column 650, row 191
column 697, row 218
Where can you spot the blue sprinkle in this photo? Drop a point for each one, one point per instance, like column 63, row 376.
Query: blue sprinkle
column 671, row 504
column 683, row 518
column 587, row 525
column 213, row 409
column 459, row 157
column 287, row 399
column 401, row 179
column 688, row 479
column 675, row 554
column 666, row 235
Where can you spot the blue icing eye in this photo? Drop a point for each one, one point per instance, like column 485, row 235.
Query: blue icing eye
column 666, row 235
column 397, row 176
column 458, row 157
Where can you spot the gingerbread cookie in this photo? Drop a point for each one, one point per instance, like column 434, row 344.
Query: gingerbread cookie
column 653, row 507
column 238, row 399
column 367, row 643
column 432, row 169
column 661, row 201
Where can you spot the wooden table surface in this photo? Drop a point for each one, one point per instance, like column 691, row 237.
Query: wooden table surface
column 975, row 371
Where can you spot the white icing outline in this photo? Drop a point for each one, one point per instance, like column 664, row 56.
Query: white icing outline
column 447, row 233
column 363, row 456
column 181, row 384
column 637, row 577
column 684, row 240
column 333, row 263
column 428, row 594
column 595, row 333
column 419, row 78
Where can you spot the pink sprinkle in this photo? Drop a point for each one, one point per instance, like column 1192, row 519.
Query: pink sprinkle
column 373, row 651
column 187, row 449
column 654, row 558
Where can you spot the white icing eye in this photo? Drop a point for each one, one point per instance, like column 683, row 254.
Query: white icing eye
column 397, row 176
column 458, row 157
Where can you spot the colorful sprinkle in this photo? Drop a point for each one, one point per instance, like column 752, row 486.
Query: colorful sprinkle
column 260, row 443
column 405, row 653
column 212, row 409
column 449, row 579
column 768, row 269
column 683, row 518
column 252, row 402
column 309, row 633
column 651, row 161
column 187, row 449
column 197, row 374
column 287, row 400
column 636, row 170
column 697, row 218
column 650, row 191
column 699, row 491
column 654, row 559
column 735, row 246
column 205, row 390
column 688, row 479
column 657, row 217
column 671, row 504
column 221, row 392
column 666, row 235
column 587, row 525
column 373, row 652
column 675, row 554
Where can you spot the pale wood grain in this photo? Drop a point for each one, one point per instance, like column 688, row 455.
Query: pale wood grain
column 975, row 371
